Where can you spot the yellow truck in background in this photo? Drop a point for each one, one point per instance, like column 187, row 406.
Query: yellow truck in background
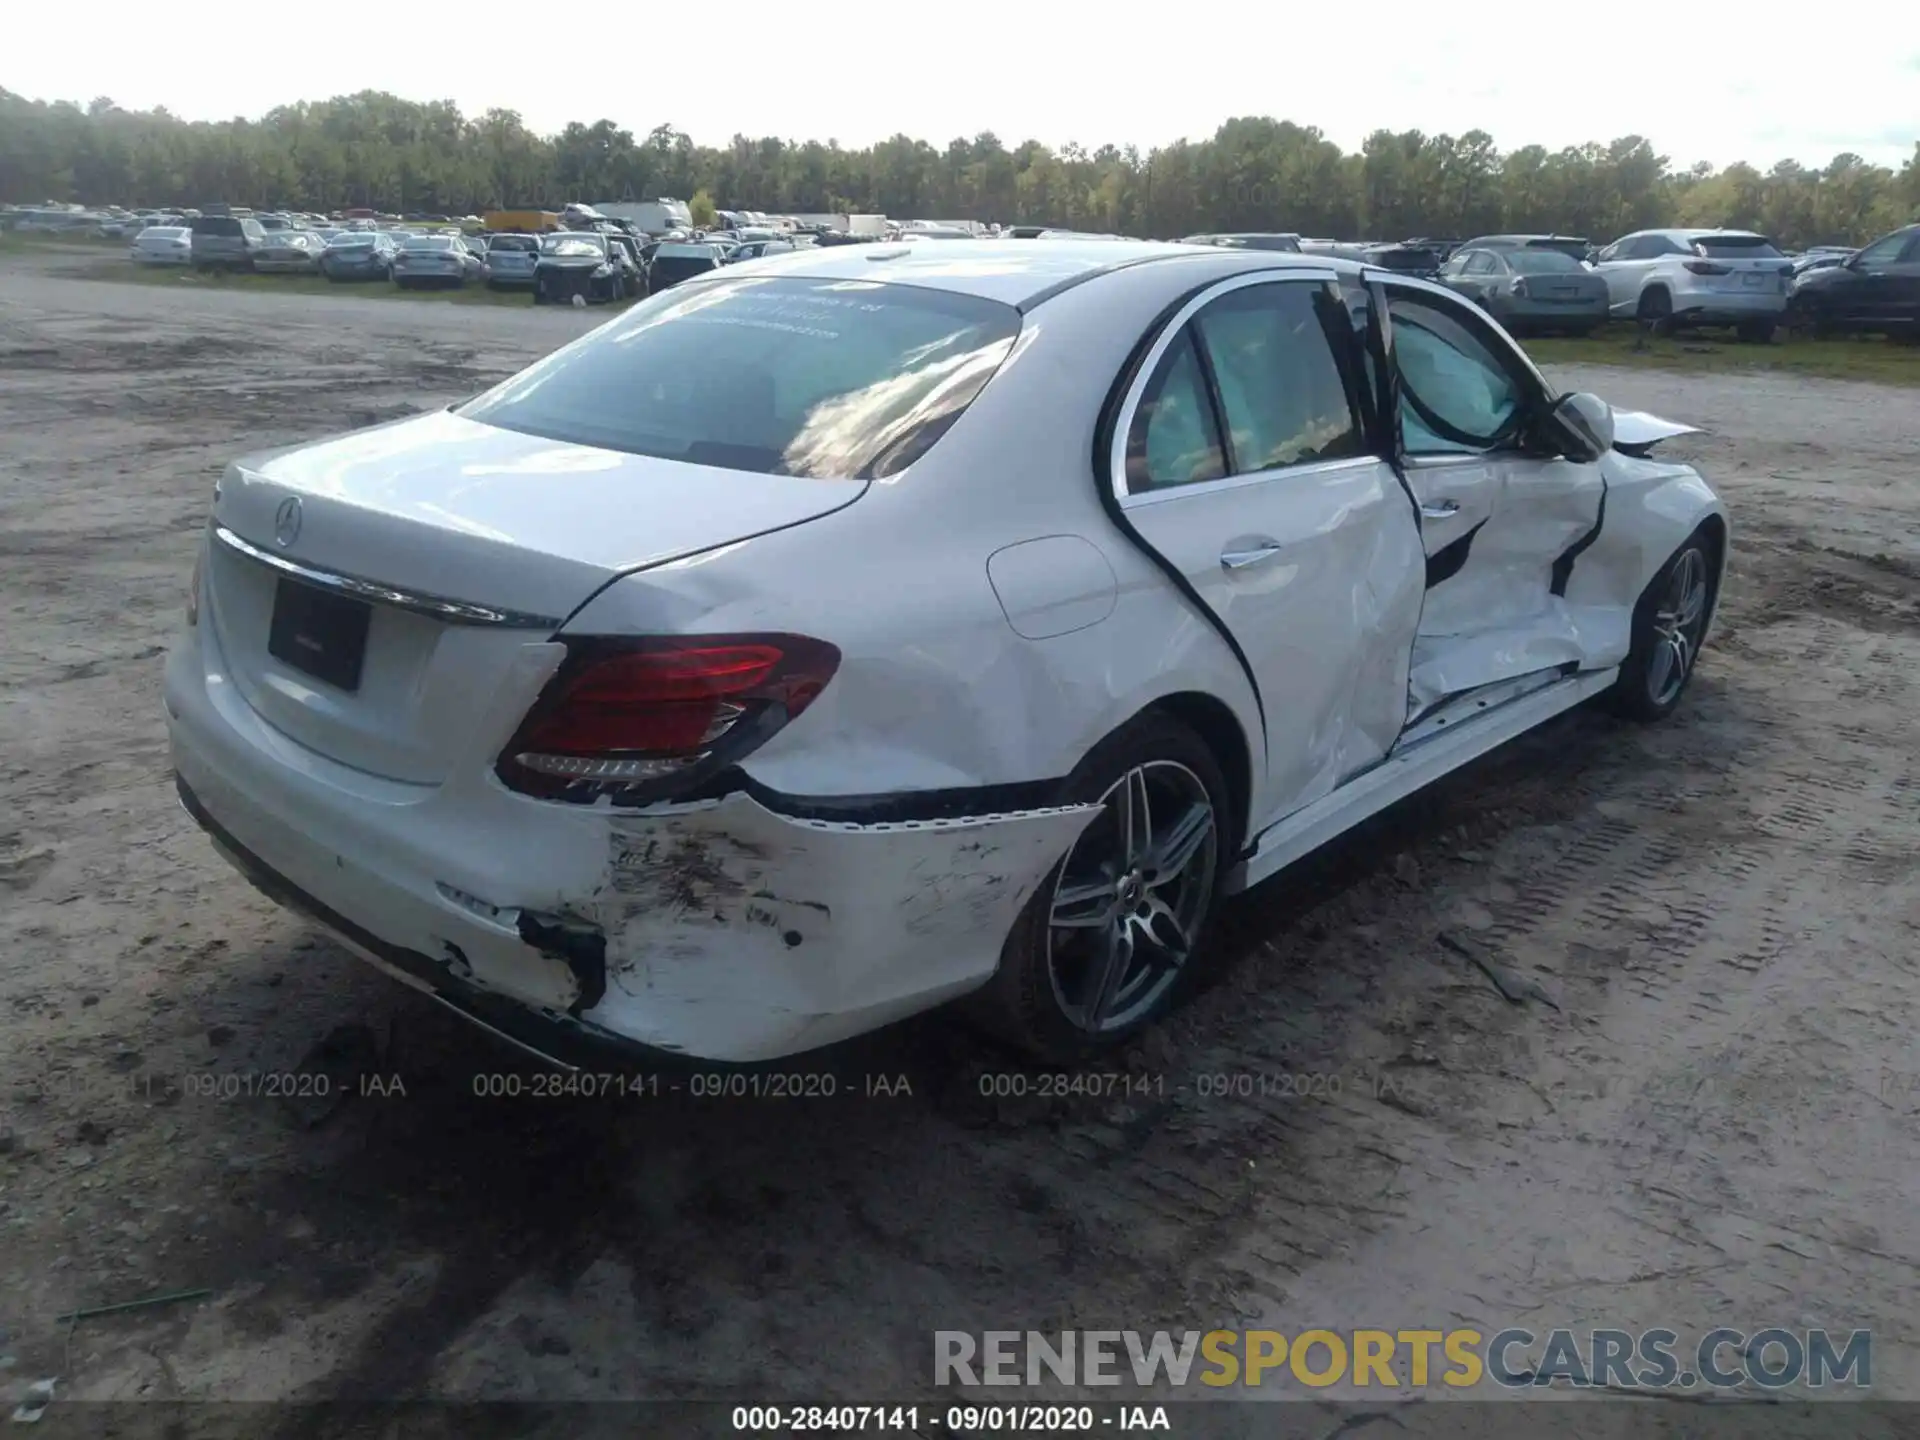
column 522, row 222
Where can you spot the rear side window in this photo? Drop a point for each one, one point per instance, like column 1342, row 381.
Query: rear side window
column 822, row 378
column 1737, row 247
column 1281, row 391
column 1174, row 439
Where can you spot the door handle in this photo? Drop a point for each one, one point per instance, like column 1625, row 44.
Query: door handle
column 1440, row 509
column 1241, row 559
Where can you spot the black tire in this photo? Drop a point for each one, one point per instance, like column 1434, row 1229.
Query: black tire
column 1655, row 307
column 1644, row 690
column 1023, row 1004
column 1756, row 332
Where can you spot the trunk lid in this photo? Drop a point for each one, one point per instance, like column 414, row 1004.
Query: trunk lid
column 436, row 507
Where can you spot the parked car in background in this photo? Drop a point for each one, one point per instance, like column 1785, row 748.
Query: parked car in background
column 359, row 255
column 226, row 242
column 1283, row 241
column 754, row 249
column 1875, row 290
column 510, row 260
column 1698, row 277
column 293, row 252
column 1529, row 289
column 434, row 260
column 1577, row 246
column 675, row 261
column 578, row 263
column 1822, row 257
column 163, row 245
column 475, row 714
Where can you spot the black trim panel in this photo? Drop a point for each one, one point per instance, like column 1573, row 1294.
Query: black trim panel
column 903, row 807
column 1451, row 558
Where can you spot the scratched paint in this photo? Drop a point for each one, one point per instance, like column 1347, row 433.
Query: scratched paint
column 745, row 934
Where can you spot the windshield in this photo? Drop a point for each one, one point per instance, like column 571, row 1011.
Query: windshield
column 823, row 378
column 1542, row 262
column 1736, row 247
column 573, row 245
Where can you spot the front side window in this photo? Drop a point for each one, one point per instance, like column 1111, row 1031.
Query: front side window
column 1282, row 394
column 1886, row 250
column 1174, row 438
column 833, row 379
column 1456, row 394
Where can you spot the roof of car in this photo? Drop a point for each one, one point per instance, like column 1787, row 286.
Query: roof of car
column 1014, row 272
column 1699, row 232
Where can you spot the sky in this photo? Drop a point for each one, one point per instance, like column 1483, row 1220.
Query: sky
column 1714, row 83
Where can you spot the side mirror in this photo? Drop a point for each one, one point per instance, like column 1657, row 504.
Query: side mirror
column 1586, row 423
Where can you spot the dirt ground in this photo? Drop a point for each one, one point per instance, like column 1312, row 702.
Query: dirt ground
column 1706, row 1114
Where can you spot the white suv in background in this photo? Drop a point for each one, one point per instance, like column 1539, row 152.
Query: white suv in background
column 1698, row 277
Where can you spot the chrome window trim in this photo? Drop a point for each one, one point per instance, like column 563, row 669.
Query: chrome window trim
column 1117, row 455
column 1253, row 477
column 438, row 607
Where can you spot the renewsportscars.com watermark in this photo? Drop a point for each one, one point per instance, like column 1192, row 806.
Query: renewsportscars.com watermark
column 1773, row 1358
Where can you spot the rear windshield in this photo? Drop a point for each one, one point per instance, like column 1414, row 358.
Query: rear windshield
column 824, row 378
column 1542, row 262
column 429, row 242
column 1561, row 245
column 686, row 252
column 513, row 242
column 217, row 225
column 351, row 242
column 574, row 245
column 1737, row 247
column 162, row 232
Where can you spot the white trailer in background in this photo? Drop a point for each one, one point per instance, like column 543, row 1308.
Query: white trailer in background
column 866, row 224
column 656, row 217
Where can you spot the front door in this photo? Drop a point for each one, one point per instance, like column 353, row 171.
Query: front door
column 1247, row 467
column 1495, row 515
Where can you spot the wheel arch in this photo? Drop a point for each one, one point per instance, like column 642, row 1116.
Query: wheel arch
column 1220, row 731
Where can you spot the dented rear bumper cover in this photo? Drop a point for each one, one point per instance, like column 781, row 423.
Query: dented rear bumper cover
column 722, row 931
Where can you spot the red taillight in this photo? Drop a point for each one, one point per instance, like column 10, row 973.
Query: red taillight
column 1707, row 267
column 649, row 716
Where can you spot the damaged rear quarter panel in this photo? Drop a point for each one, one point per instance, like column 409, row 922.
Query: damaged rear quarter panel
column 744, row 934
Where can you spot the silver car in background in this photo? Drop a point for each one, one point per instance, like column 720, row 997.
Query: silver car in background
column 510, row 260
column 358, row 255
column 290, row 252
column 434, row 260
column 162, row 245
column 1530, row 288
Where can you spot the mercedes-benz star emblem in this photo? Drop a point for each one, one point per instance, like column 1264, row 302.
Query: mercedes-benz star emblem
column 286, row 521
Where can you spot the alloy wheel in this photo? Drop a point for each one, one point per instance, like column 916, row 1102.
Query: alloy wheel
column 1677, row 624
column 1131, row 897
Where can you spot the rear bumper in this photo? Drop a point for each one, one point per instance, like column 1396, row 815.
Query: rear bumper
column 1515, row 311
column 721, row 930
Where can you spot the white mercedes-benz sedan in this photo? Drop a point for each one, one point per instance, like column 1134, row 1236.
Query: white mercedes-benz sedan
column 854, row 630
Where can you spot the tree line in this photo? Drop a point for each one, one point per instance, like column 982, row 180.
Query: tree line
column 1254, row 173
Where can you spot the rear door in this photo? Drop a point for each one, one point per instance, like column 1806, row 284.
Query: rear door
column 1495, row 517
column 1244, row 462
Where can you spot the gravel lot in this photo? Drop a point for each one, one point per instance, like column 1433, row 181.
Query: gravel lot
column 1706, row 1116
